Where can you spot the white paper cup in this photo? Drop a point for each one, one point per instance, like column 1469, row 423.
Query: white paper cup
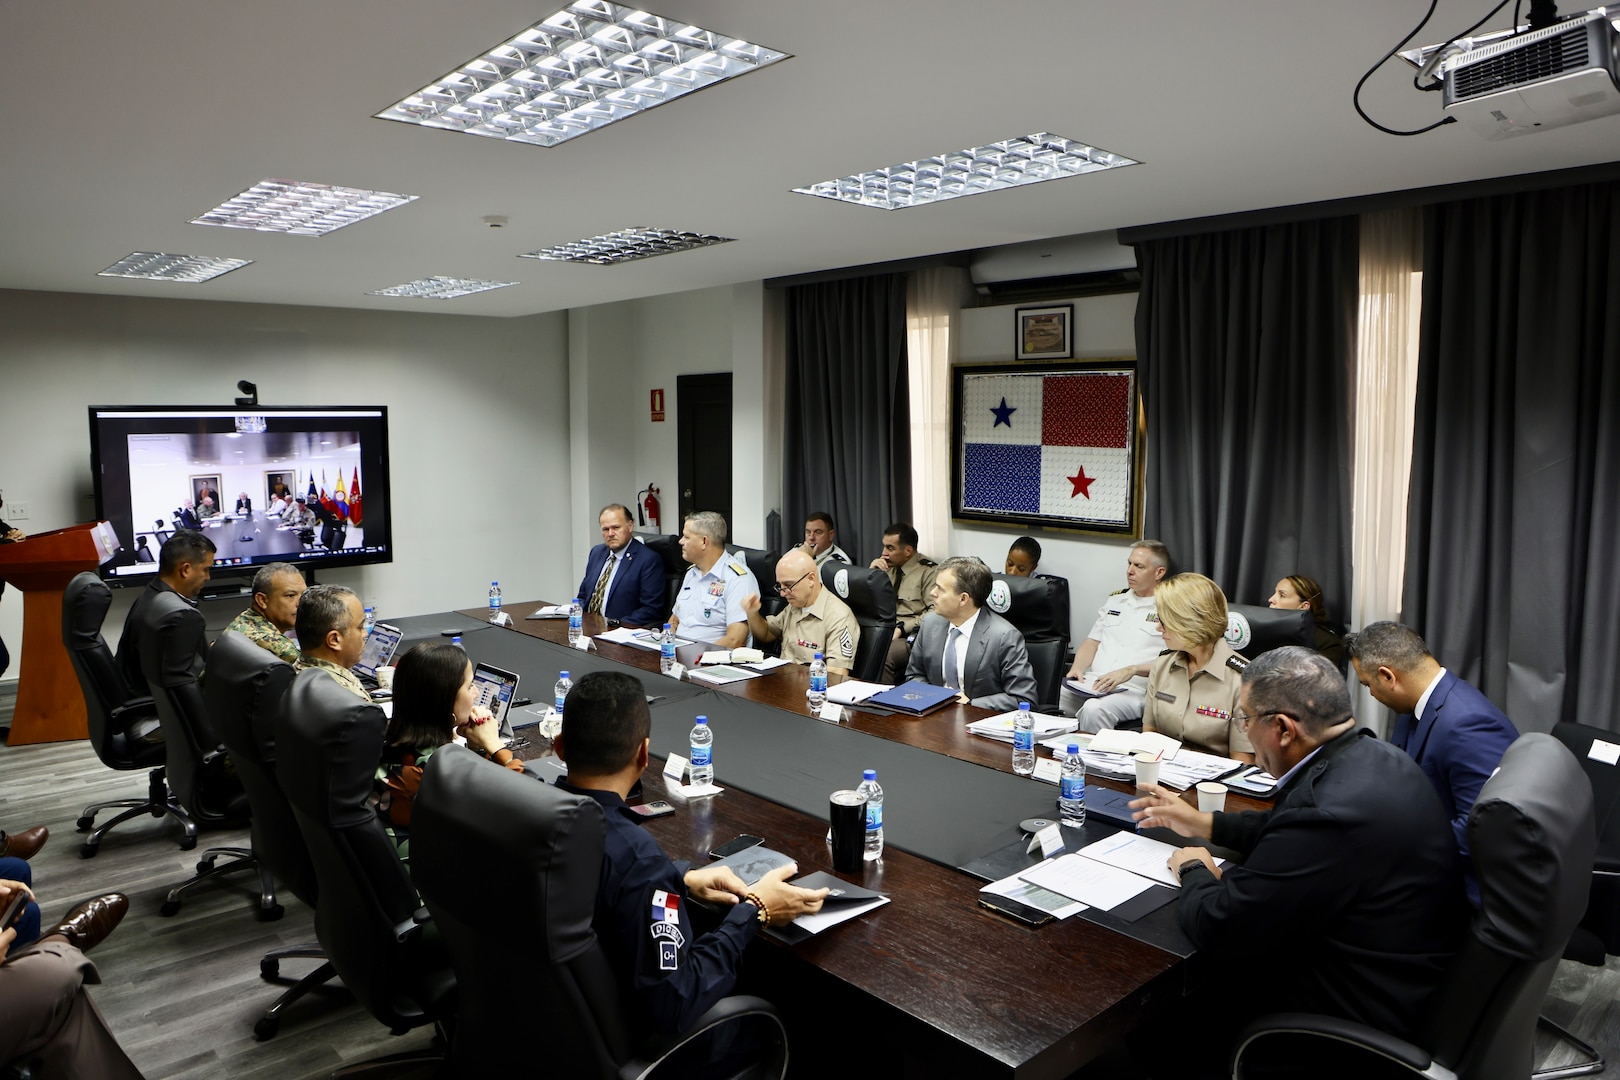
column 385, row 677
column 1147, row 770
column 1211, row 797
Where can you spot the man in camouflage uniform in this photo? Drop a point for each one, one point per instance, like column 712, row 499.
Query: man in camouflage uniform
column 276, row 589
column 913, row 578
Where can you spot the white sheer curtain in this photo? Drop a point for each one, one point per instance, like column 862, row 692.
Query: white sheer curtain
column 1386, row 386
column 933, row 298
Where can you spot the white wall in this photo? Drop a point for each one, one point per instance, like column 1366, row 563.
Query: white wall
column 619, row 353
column 478, row 415
column 1095, row 566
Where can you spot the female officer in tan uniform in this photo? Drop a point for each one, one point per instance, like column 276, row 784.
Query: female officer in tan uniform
column 1192, row 690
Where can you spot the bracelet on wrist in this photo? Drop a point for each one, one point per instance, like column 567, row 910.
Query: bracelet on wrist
column 764, row 912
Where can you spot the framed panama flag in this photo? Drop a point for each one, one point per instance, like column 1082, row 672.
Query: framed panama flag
column 1049, row 445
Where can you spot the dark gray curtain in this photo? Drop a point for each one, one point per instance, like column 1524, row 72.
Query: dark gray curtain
column 1246, row 342
column 848, row 410
column 1513, row 565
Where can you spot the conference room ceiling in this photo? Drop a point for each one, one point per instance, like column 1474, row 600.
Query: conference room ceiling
column 124, row 121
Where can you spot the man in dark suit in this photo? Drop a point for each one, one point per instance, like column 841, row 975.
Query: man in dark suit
column 623, row 580
column 1449, row 728
column 972, row 650
column 164, row 620
column 1352, row 872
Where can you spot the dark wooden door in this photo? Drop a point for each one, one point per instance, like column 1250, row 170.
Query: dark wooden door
column 703, row 425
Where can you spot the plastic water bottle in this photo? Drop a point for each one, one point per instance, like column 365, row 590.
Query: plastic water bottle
column 1023, row 741
column 560, row 693
column 1072, row 788
column 576, row 621
column 455, row 639
column 369, row 621
column 874, row 814
column 666, row 651
column 817, row 694
column 494, row 601
column 702, row 753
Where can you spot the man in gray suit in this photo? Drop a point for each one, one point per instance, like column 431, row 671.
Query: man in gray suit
column 972, row 650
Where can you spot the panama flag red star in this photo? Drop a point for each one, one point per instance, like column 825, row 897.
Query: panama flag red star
column 1082, row 483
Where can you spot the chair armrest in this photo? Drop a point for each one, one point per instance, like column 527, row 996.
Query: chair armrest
column 1393, row 1050
column 412, row 926
column 135, row 709
column 727, row 1010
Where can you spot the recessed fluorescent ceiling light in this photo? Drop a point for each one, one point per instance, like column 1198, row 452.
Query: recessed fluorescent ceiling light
column 583, row 68
column 441, row 288
column 157, row 266
column 299, row 208
column 1028, row 159
column 625, row 245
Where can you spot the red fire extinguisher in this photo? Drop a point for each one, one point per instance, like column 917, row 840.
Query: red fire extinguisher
column 648, row 505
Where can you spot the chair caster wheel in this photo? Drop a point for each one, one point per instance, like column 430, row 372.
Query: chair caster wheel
column 269, row 914
column 188, row 843
column 85, row 824
column 88, row 851
column 269, row 968
column 169, row 908
column 266, row 1029
column 204, row 865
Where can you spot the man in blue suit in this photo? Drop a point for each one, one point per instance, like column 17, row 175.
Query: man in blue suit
column 1449, row 728
column 623, row 580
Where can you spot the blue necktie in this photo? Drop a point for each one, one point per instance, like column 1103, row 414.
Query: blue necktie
column 951, row 678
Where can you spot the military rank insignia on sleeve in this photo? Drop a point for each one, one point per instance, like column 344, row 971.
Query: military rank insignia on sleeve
column 846, row 643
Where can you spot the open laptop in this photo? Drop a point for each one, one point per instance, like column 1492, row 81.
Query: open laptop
column 495, row 688
column 381, row 645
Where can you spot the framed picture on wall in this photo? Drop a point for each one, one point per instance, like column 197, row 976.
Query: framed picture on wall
column 277, row 483
column 1049, row 445
column 205, row 487
column 1045, row 333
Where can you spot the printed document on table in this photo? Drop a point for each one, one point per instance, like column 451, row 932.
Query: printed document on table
column 1137, row 853
column 1087, row 881
column 641, row 639
column 1016, row 888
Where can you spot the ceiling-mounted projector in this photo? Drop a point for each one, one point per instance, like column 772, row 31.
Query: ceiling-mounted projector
column 1548, row 78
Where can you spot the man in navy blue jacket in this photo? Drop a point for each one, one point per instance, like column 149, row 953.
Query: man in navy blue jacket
column 623, row 580
column 1449, row 728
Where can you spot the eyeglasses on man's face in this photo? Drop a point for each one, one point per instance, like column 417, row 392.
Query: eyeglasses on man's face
column 785, row 589
column 1244, row 721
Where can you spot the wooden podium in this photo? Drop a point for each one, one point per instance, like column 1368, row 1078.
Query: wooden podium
column 50, row 703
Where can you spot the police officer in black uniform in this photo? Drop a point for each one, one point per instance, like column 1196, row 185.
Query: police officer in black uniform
column 642, row 919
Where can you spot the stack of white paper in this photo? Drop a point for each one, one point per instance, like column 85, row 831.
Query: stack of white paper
column 1000, row 727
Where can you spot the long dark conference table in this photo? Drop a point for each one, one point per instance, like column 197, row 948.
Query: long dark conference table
column 946, row 983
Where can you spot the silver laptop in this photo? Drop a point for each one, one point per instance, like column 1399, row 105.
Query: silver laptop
column 381, row 644
column 495, row 688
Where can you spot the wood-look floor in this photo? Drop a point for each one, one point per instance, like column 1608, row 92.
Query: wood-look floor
column 183, row 993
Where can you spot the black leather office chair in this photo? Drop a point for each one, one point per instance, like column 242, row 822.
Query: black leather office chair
column 1046, row 661
column 1037, row 606
column 328, row 743
column 1252, row 629
column 1598, row 935
column 200, row 774
column 870, row 596
column 1532, row 840
column 1059, row 593
column 669, row 550
column 762, row 564
column 118, row 723
column 244, row 689
column 477, row 833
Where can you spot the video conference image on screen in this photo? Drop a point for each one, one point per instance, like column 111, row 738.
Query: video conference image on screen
column 306, row 486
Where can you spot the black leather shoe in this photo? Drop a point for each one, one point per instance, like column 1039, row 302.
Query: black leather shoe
column 23, row 845
column 88, row 925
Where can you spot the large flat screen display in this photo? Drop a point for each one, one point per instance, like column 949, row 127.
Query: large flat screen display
column 237, row 474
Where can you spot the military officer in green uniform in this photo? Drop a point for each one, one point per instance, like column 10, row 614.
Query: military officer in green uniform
column 276, row 589
column 913, row 578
